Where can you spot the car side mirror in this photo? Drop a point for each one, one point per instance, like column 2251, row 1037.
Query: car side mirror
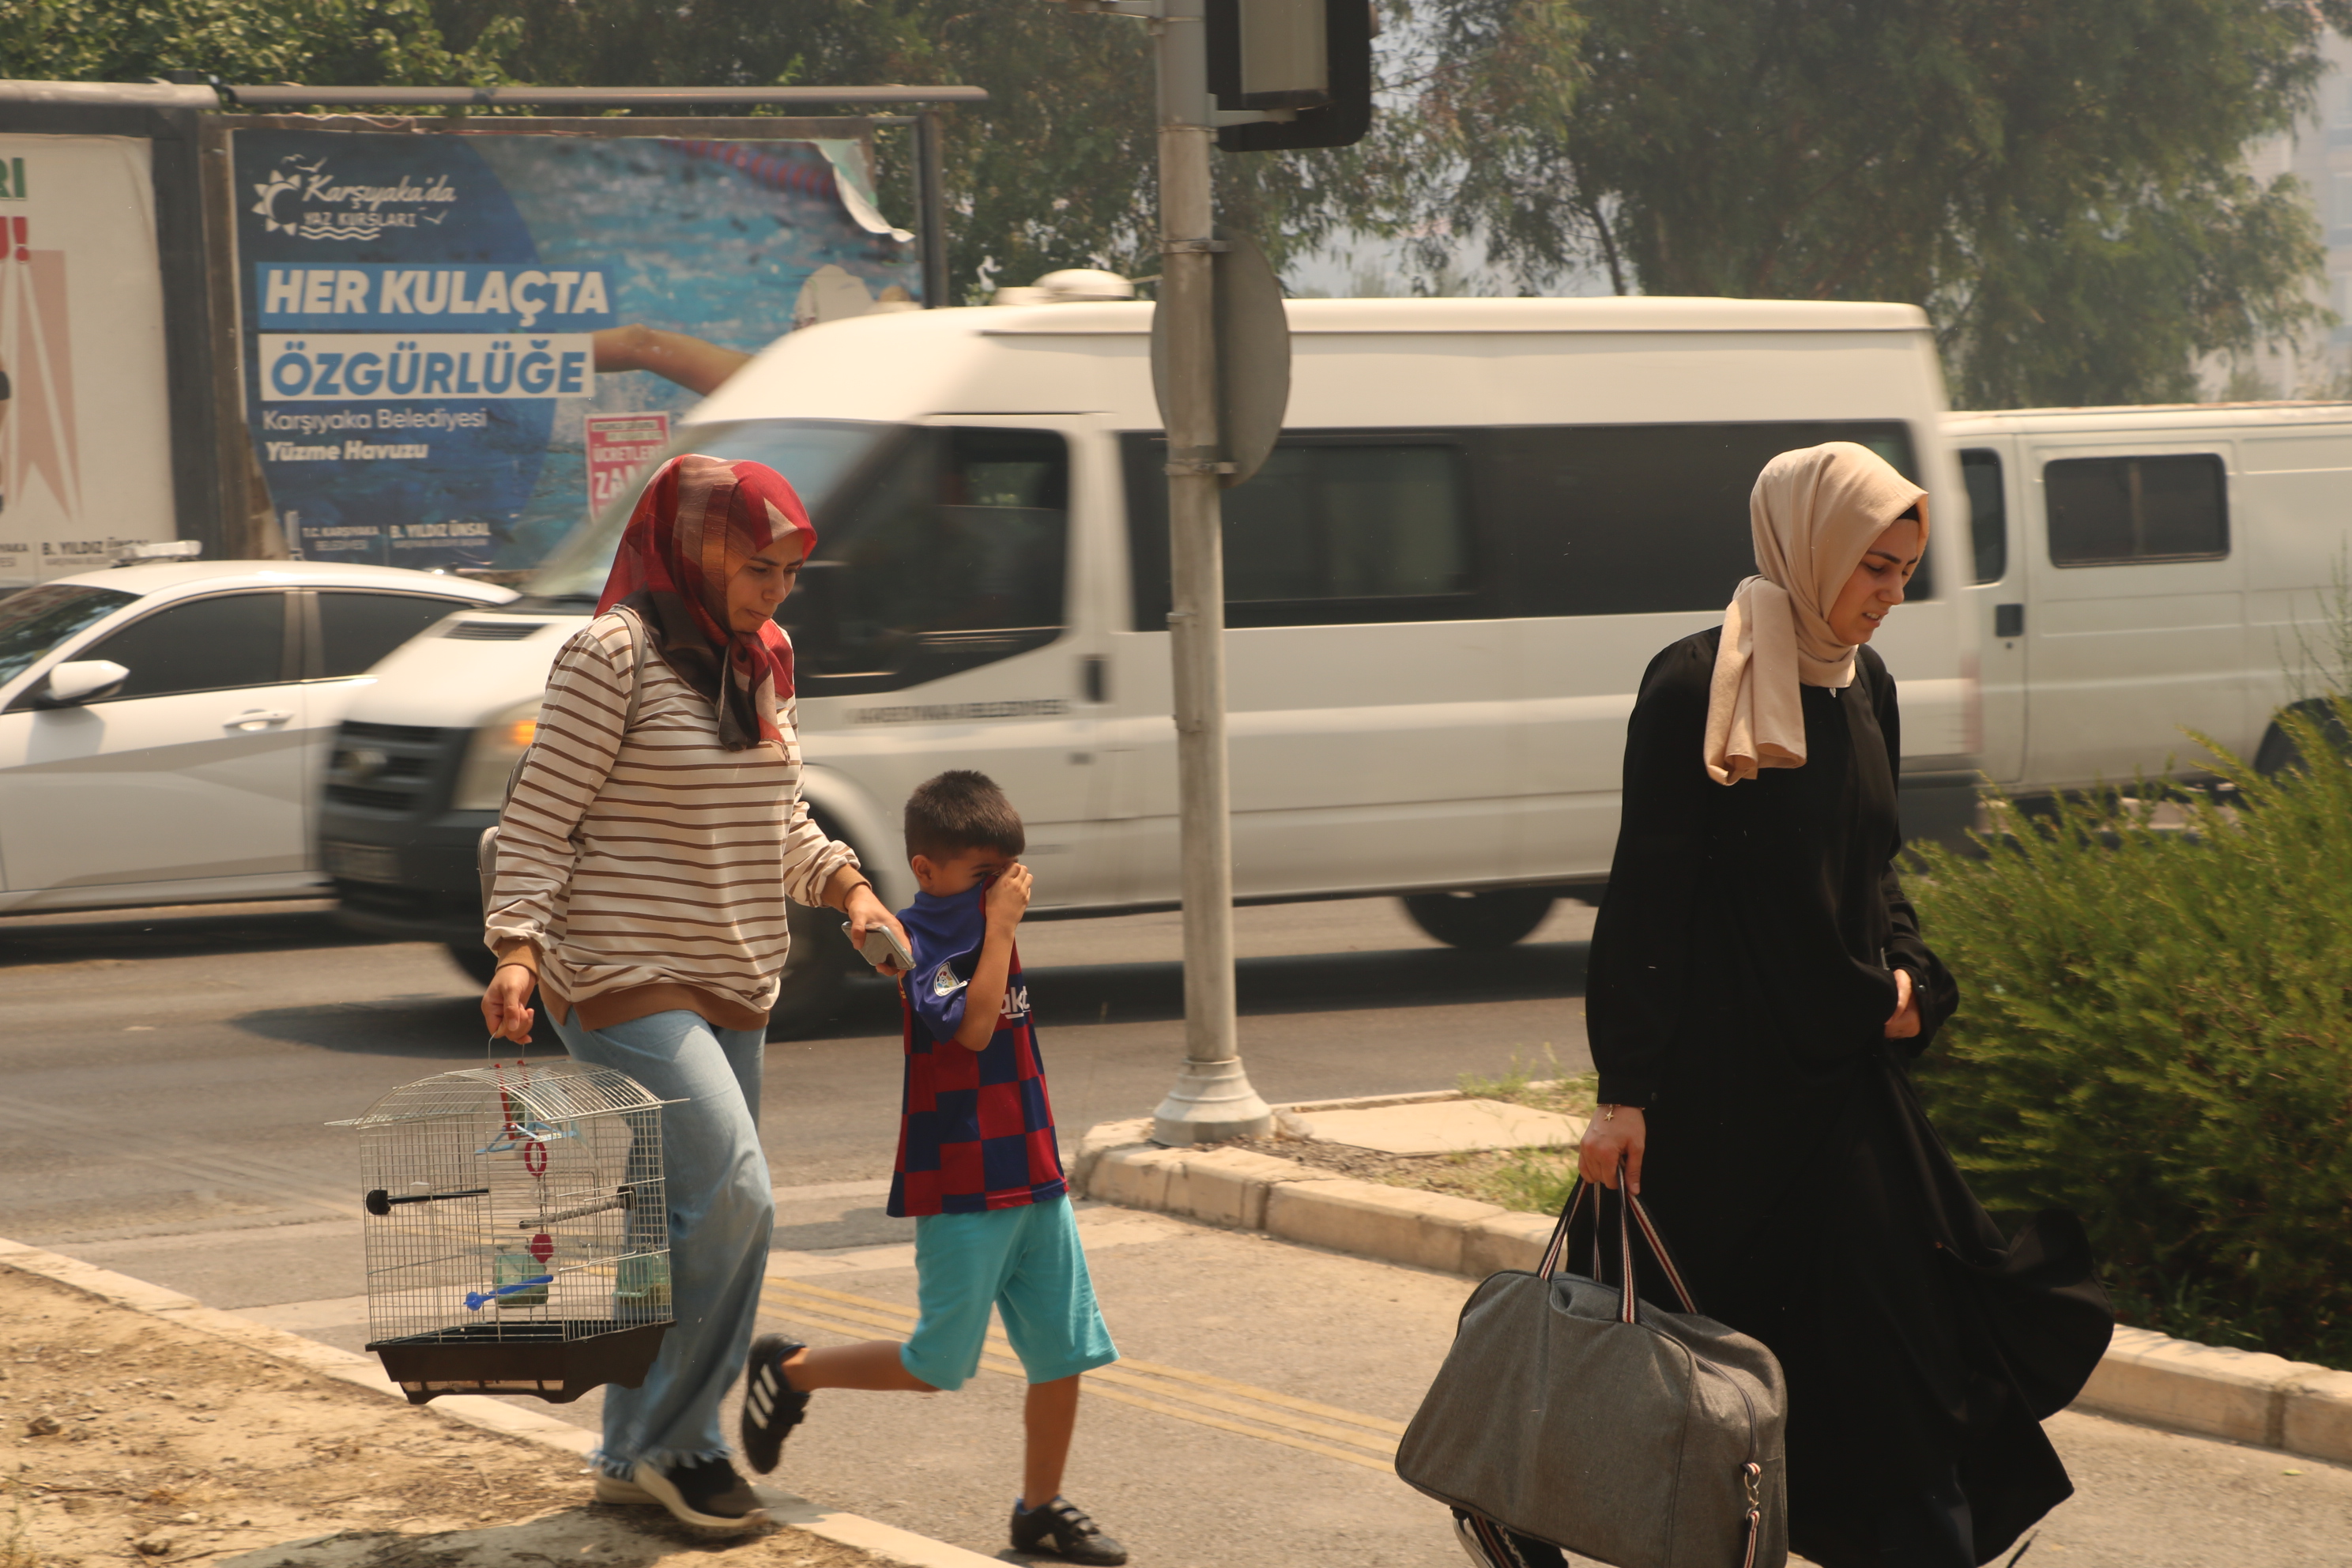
column 81, row 681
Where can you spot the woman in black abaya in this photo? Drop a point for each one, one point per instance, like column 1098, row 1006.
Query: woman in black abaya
column 1757, row 987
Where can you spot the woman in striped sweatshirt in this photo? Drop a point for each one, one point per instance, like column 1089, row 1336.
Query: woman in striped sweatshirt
column 643, row 866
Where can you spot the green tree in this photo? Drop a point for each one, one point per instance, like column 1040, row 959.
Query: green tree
column 1054, row 171
column 1058, row 168
column 2061, row 185
column 368, row 42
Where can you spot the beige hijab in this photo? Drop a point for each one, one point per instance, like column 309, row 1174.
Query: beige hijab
column 1812, row 513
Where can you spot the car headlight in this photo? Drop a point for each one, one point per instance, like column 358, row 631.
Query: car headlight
column 490, row 757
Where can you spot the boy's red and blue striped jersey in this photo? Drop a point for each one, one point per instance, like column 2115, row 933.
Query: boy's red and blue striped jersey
column 975, row 1129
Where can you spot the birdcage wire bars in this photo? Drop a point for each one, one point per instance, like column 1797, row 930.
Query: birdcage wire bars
column 518, row 1230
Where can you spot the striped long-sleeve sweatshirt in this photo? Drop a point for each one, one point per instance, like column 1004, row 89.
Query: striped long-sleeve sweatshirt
column 648, row 872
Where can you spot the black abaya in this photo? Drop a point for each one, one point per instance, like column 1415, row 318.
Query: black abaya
column 1740, row 979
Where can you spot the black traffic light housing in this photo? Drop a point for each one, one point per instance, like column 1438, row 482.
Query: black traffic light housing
column 1336, row 116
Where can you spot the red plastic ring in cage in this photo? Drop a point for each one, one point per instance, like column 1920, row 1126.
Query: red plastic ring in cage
column 534, row 1158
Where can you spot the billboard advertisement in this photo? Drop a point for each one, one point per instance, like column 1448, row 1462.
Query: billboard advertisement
column 85, row 422
column 457, row 345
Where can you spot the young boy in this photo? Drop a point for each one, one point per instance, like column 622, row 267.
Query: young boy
column 979, row 1167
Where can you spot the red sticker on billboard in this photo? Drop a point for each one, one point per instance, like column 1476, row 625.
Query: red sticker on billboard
column 621, row 447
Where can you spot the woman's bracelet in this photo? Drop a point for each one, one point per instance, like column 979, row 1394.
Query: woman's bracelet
column 853, row 886
column 517, row 964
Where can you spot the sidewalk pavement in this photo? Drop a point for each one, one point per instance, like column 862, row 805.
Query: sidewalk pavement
column 138, row 1425
column 2209, row 1390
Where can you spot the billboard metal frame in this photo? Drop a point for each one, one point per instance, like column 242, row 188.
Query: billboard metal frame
column 219, row 495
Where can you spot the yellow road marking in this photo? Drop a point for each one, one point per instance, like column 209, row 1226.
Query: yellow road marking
column 1124, row 1374
column 1128, row 1383
column 1181, row 1375
column 1285, row 1438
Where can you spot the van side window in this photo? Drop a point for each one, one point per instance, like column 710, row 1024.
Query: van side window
column 2107, row 511
column 947, row 552
column 1988, row 512
column 1621, row 520
column 1333, row 531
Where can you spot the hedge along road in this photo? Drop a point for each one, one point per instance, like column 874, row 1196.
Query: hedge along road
column 168, row 1076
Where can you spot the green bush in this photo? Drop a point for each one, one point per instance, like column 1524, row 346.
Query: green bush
column 2156, row 1032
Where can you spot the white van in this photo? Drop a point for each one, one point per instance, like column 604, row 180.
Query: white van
column 2140, row 572
column 1484, row 518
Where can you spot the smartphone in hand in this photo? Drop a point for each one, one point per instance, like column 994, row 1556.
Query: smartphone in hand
column 882, row 946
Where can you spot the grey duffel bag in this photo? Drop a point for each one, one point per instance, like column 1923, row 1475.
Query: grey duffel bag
column 1578, row 1414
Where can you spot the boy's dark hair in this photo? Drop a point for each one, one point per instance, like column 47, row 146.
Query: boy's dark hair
column 961, row 811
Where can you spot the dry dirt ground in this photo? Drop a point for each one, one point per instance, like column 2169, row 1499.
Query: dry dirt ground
column 126, row 1440
column 1534, row 1181
column 1515, row 1178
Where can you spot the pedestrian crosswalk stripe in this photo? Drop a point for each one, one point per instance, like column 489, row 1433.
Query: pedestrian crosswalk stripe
column 1197, row 1397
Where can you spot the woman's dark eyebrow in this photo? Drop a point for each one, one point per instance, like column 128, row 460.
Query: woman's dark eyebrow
column 1890, row 555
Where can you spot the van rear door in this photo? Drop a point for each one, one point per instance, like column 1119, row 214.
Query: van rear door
column 2294, row 507
column 2135, row 629
column 1989, row 467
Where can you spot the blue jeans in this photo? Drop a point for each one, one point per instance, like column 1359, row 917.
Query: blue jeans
column 722, row 1210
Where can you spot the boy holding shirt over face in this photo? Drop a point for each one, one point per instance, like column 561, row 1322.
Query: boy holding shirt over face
column 979, row 1167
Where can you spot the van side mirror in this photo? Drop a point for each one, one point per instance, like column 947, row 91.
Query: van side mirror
column 81, row 681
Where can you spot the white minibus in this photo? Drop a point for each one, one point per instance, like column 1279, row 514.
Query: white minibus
column 2142, row 572
column 1482, row 520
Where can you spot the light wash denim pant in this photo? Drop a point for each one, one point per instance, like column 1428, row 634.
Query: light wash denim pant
column 721, row 1209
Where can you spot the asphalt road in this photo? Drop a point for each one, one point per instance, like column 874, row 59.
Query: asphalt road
column 129, row 1039
column 168, row 1077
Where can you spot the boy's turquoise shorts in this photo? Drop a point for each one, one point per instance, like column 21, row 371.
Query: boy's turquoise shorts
column 1026, row 1263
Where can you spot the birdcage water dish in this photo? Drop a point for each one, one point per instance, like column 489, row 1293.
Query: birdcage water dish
column 518, row 1232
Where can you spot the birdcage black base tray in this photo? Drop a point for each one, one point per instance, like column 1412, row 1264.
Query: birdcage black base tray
column 557, row 1362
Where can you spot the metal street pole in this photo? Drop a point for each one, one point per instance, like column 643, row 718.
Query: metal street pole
column 1212, row 1098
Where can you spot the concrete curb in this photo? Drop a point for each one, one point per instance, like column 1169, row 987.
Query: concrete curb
column 360, row 1371
column 2243, row 1395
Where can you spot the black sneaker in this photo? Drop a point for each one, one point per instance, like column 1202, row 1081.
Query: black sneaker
column 1062, row 1528
column 772, row 1406
column 704, row 1495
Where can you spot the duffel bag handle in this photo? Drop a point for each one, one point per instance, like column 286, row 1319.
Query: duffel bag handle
column 1630, row 1212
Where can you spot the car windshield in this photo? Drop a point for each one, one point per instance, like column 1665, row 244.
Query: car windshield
column 815, row 455
column 38, row 619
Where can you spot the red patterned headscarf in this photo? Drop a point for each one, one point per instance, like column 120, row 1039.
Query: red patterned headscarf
column 698, row 522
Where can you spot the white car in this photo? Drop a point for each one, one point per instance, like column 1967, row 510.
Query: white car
column 163, row 727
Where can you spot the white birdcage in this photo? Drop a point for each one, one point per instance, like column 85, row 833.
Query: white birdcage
column 518, row 1234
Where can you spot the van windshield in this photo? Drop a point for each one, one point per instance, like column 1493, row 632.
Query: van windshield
column 815, row 455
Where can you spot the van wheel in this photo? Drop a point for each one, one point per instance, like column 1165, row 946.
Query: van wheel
column 1480, row 920
column 479, row 961
column 2279, row 752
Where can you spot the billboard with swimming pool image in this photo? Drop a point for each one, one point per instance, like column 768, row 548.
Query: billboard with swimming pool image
column 456, row 345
